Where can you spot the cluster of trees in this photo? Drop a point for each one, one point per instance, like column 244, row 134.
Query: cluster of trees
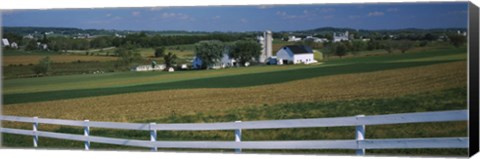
column 60, row 43
column 43, row 66
column 143, row 40
column 169, row 59
column 211, row 52
column 342, row 48
column 128, row 56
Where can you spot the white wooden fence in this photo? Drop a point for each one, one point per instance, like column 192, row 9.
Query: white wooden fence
column 360, row 143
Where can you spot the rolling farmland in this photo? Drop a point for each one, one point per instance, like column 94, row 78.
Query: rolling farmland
column 377, row 84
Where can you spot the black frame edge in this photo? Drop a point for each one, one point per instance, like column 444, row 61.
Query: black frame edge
column 473, row 84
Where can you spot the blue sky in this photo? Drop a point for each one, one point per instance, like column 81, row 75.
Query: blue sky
column 249, row 18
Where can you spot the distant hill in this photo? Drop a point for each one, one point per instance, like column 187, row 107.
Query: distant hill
column 75, row 31
column 321, row 30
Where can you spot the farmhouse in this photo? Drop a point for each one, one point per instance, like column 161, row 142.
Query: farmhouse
column 225, row 61
column 295, row 54
column 14, row 45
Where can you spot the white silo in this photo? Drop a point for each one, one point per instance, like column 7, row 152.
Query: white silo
column 268, row 43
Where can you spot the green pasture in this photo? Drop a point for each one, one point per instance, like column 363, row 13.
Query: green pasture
column 76, row 86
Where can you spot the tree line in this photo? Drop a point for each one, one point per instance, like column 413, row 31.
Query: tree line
column 142, row 40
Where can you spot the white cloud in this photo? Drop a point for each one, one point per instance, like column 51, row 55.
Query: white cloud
column 243, row 20
column 136, row 13
column 327, row 9
column 328, row 16
column 376, row 13
column 265, row 6
column 284, row 14
column 182, row 16
column 156, row 8
column 354, row 16
column 281, row 13
column 392, row 10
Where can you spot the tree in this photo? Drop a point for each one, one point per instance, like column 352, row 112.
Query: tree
column 31, row 45
column 12, row 37
column 341, row 50
column 328, row 49
column 160, row 52
column 244, row 51
column 373, row 44
column 357, row 46
column 457, row 40
column 42, row 67
column 388, row 45
column 209, row 52
column 129, row 56
column 169, row 59
column 404, row 45
column 100, row 42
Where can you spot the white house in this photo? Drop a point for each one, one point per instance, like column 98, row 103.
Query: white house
column 29, row 36
column 295, row 54
column 14, row 45
column 5, row 42
column 225, row 61
column 340, row 37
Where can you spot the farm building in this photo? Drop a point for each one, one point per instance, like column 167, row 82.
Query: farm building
column 5, row 42
column 295, row 54
column 14, row 45
column 149, row 68
column 225, row 61
column 315, row 39
column 337, row 37
column 294, row 39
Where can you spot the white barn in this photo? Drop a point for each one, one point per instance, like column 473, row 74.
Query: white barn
column 295, row 54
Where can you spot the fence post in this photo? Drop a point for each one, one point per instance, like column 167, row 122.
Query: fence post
column 86, row 133
column 238, row 137
column 153, row 135
column 359, row 136
column 35, row 129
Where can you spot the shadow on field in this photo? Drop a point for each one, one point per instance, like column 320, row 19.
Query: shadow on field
column 234, row 81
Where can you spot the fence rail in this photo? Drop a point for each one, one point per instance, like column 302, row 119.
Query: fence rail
column 359, row 143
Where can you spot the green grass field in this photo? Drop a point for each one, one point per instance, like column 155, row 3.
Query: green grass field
column 417, row 81
column 63, row 87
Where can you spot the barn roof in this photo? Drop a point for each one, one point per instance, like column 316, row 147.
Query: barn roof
column 298, row 49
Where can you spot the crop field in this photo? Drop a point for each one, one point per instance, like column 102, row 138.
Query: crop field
column 33, row 59
column 416, row 81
